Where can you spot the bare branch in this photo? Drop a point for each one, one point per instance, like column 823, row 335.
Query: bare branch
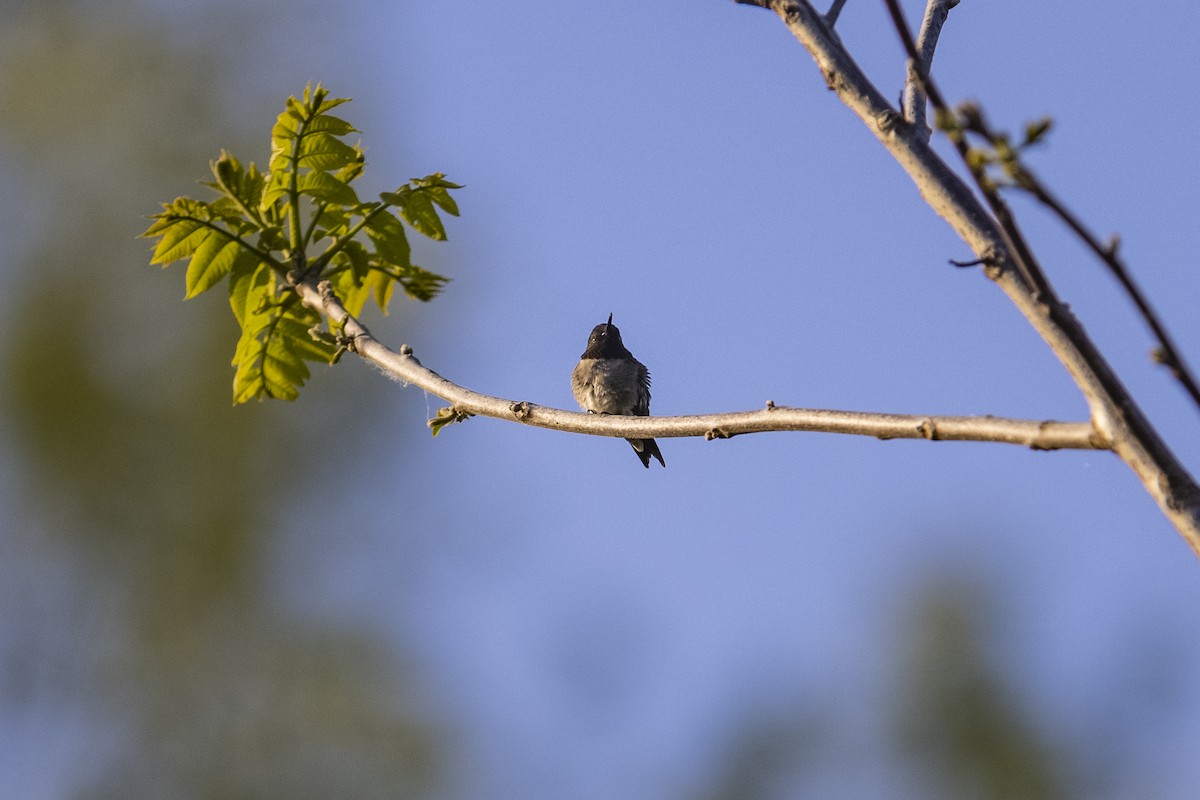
column 1009, row 262
column 1166, row 353
column 1021, row 255
column 403, row 366
column 936, row 12
column 971, row 118
column 835, row 10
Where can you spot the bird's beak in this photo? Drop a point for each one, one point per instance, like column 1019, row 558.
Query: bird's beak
column 610, row 318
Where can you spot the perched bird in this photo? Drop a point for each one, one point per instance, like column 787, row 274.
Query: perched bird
column 609, row 380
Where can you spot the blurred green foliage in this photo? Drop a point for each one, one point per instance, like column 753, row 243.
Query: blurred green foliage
column 965, row 731
column 954, row 728
column 137, row 596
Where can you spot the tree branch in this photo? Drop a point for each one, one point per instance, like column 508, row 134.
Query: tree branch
column 1117, row 418
column 1166, row 353
column 1014, row 244
column 403, row 366
column 936, row 12
column 835, row 10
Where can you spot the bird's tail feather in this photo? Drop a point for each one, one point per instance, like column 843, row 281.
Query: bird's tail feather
column 646, row 449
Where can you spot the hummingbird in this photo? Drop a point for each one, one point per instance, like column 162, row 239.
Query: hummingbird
column 609, row 380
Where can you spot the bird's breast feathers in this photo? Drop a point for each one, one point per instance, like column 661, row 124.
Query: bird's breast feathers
column 611, row 386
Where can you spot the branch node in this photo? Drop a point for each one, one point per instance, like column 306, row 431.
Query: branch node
column 717, row 433
column 831, row 16
column 928, row 429
column 992, row 263
column 771, row 405
column 831, row 76
column 889, row 120
column 521, row 409
column 1036, row 442
column 1112, row 246
column 347, row 344
column 406, row 351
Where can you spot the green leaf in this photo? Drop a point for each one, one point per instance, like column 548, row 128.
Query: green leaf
column 382, row 286
column 391, row 243
column 417, row 210
column 250, row 288
column 946, row 120
column 978, row 159
column 1034, row 131
column 323, row 186
column 211, row 262
column 355, row 168
column 271, row 238
column 181, row 225
column 327, row 123
column 421, row 284
column 276, row 188
column 243, row 186
column 358, row 259
column 180, row 240
column 333, row 221
column 327, row 103
column 323, row 152
column 447, row 416
column 352, row 292
column 437, row 185
column 282, row 136
column 294, row 331
column 270, row 356
column 416, row 201
column 250, row 381
column 301, row 119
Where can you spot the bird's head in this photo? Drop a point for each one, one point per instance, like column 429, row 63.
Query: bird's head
column 605, row 342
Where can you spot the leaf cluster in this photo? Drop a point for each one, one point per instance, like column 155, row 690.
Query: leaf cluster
column 299, row 220
column 992, row 156
column 447, row 416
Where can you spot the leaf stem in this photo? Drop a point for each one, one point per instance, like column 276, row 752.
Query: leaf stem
column 318, row 264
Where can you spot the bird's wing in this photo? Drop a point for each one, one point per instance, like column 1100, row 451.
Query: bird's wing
column 641, row 405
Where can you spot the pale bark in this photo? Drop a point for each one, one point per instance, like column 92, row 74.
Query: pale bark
column 1118, row 421
column 404, row 366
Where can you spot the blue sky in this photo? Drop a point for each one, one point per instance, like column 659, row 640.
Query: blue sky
column 595, row 630
column 683, row 166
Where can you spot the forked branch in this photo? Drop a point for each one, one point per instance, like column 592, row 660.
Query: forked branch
column 936, row 12
column 835, row 10
column 993, row 235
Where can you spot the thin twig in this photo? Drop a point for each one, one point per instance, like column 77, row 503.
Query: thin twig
column 835, row 10
column 1166, row 353
column 1023, row 258
column 995, row 239
column 403, row 366
column 936, row 12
